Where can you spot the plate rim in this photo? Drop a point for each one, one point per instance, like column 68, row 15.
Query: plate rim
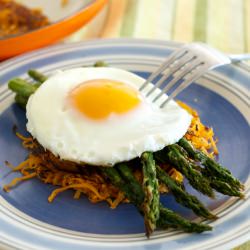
column 169, row 43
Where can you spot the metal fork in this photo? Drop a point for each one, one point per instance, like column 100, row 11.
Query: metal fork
column 185, row 65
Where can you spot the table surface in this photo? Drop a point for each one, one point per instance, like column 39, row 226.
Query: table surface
column 223, row 24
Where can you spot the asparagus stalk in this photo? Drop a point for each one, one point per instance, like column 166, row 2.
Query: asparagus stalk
column 182, row 196
column 100, row 64
column 167, row 217
column 21, row 87
column 119, row 182
column 21, row 100
column 37, row 76
column 151, row 190
column 170, row 219
column 176, row 156
column 212, row 168
column 134, row 185
column 225, row 188
column 24, row 89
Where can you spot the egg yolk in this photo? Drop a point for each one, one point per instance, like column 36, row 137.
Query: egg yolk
column 98, row 99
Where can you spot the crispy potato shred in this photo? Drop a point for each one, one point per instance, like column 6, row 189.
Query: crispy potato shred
column 202, row 137
column 89, row 180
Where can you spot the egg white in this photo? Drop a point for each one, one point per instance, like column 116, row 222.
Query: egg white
column 60, row 128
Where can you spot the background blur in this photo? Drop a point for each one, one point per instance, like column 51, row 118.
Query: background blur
column 224, row 24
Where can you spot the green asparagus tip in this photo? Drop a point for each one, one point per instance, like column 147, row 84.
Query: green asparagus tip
column 197, row 228
column 169, row 218
column 37, row 85
column 187, row 168
column 213, row 168
column 37, row 76
column 21, row 87
column 100, row 64
column 182, row 197
column 145, row 156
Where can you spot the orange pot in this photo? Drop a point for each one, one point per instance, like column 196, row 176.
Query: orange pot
column 15, row 45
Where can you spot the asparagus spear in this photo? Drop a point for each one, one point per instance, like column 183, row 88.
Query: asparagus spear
column 100, row 64
column 182, row 196
column 167, row 217
column 225, row 188
column 134, row 185
column 37, row 76
column 21, row 100
column 40, row 78
column 117, row 181
column 176, row 156
column 151, row 190
column 21, row 87
column 24, row 89
column 212, row 168
column 170, row 219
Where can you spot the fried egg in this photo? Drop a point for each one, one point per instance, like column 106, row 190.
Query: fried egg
column 98, row 116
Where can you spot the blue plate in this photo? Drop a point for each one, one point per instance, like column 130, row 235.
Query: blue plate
column 27, row 219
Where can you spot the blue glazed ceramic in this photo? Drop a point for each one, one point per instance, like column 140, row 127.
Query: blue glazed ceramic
column 27, row 220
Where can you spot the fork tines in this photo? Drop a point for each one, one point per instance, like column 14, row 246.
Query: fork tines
column 182, row 67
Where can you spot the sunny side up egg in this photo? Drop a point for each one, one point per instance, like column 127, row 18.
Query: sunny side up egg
column 98, row 116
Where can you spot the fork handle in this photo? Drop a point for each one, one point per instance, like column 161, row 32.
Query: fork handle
column 239, row 57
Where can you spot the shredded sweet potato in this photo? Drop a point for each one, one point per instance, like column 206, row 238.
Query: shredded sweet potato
column 201, row 136
column 88, row 180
